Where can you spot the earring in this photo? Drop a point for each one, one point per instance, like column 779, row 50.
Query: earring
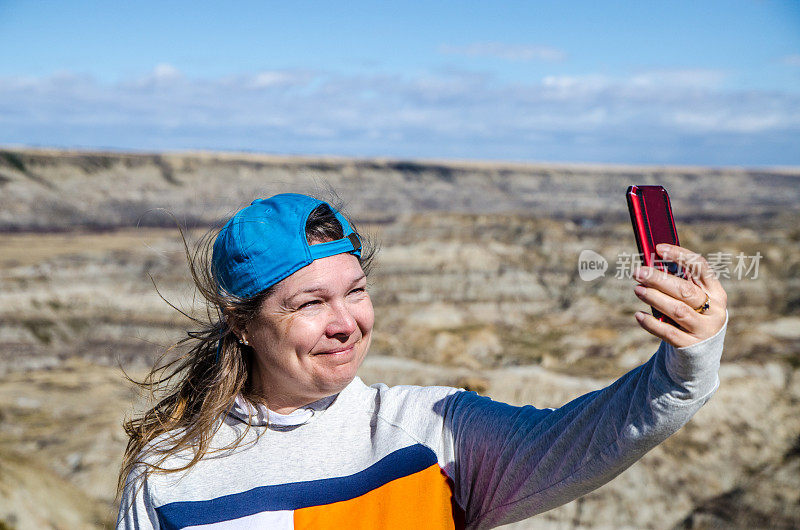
column 244, row 342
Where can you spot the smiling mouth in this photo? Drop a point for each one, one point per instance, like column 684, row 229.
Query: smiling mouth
column 338, row 351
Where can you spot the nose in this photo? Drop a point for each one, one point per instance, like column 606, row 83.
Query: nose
column 341, row 323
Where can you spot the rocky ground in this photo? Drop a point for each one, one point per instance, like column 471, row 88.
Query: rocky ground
column 476, row 285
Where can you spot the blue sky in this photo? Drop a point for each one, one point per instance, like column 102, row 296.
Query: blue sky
column 702, row 82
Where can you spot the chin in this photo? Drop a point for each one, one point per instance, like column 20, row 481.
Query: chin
column 334, row 383
column 333, row 378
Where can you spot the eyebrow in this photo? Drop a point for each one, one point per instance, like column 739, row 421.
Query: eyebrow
column 320, row 288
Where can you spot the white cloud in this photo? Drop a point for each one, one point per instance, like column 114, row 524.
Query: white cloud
column 447, row 114
column 278, row 78
column 690, row 78
column 505, row 51
column 722, row 121
column 165, row 71
column 573, row 88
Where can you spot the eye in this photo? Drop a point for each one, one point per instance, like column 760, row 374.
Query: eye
column 358, row 290
column 308, row 304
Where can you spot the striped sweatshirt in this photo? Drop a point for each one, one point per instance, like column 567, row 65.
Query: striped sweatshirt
column 421, row 457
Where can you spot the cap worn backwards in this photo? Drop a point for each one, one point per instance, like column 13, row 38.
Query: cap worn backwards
column 266, row 242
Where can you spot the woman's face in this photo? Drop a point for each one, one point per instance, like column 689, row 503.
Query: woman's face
column 312, row 333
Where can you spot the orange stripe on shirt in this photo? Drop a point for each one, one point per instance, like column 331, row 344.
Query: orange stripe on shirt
column 418, row 501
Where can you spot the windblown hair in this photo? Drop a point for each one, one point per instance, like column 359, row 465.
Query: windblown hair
column 196, row 390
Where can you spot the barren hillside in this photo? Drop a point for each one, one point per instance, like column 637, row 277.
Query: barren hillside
column 476, row 285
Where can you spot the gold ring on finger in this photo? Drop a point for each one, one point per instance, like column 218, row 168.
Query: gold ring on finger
column 702, row 308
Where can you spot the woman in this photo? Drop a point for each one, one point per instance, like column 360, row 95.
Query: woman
column 267, row 425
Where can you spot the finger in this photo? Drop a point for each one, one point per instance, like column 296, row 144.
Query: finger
column 694, row 263
column 669, row 284
column 664, row 331
column 683, row 315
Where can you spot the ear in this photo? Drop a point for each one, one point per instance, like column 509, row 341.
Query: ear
column 236, row 325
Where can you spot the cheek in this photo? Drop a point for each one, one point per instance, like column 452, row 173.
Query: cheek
column 265, row 338
column 302, row 334
column 366, row 316
column 288, row 334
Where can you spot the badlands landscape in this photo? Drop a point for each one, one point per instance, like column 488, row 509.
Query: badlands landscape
column 476, row 285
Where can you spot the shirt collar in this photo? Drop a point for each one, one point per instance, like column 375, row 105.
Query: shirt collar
column 259, row 415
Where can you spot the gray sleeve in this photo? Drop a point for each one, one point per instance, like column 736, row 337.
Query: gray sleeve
column 136, row 510
column 514, row 462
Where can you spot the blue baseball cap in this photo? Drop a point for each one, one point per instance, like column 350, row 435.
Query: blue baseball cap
column 266, row 242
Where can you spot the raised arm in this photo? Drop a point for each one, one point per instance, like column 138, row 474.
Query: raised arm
column 514, row 462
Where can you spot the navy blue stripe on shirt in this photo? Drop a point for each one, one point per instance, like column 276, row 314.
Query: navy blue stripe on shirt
column 296, row 495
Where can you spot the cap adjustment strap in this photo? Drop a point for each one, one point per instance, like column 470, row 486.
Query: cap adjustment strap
column 351, row 244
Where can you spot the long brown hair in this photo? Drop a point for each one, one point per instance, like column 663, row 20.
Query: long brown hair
column 199, row 387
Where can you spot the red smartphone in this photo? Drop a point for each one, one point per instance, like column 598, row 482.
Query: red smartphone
column 651, row 216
